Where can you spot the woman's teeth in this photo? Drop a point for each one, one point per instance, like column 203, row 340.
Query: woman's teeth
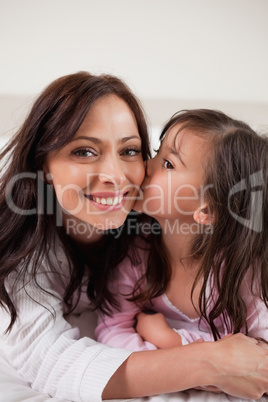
column 108, row 201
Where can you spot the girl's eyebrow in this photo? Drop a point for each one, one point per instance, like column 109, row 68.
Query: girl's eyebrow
column 97, row 140
column 174, row 152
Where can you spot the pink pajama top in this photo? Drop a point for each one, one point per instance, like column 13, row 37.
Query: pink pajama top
column 119, row 329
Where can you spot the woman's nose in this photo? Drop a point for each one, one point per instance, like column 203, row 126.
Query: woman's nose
column 112, row 172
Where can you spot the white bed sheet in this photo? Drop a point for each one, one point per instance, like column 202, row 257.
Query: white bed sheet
column 14, row 389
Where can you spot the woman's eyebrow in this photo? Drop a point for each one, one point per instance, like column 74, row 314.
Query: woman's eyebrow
column 97, row 140
column 125, row 139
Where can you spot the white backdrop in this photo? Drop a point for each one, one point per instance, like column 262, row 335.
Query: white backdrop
column 173, row 53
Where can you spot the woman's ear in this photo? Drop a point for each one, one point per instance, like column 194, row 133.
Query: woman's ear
column 203, row 215
column 47, row 175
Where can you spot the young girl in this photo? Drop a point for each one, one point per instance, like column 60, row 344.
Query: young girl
column 70, row 178
column 206, row 269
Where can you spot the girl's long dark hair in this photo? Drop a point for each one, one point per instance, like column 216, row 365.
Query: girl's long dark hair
column 237, row 195
column 26, row 238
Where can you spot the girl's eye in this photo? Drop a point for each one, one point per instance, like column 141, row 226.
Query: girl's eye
column 84, row 152
column 131, row 151
column 167, row 164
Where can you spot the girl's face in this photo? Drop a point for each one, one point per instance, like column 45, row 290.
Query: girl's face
column 173, row 186
column 97, row 175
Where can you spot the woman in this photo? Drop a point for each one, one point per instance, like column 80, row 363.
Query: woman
column 73, row 173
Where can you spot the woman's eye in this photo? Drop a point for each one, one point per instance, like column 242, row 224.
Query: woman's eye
column 83, row 152
column 167, row 164
column 131, row 152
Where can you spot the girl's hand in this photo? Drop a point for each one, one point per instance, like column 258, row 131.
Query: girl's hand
column 154, row 328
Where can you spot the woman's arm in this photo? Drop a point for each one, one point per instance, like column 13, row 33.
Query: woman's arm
column 234, row 364
column 47, row 352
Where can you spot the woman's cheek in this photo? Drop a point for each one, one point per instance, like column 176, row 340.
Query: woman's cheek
column 140, row 174
column 68, row 186
column 70, row 197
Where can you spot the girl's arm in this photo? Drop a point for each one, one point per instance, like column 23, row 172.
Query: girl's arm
column 155, row 329
column 234, row 364
column 257, row 321
column 118, row 329
column 257, row 312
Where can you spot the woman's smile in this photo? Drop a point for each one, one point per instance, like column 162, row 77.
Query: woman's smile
column 106, row 201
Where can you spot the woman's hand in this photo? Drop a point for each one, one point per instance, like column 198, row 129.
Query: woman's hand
column 235, row 365
column 262, row 343
column 240, row 364
column 154, row 328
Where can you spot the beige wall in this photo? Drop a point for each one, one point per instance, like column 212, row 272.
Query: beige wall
column 14, row 108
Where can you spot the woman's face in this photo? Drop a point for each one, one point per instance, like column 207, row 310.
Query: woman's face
column 173, row 186
column 97, row 175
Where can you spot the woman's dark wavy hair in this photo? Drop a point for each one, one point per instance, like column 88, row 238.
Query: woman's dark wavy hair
column 26, row 239
column 237, row 194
